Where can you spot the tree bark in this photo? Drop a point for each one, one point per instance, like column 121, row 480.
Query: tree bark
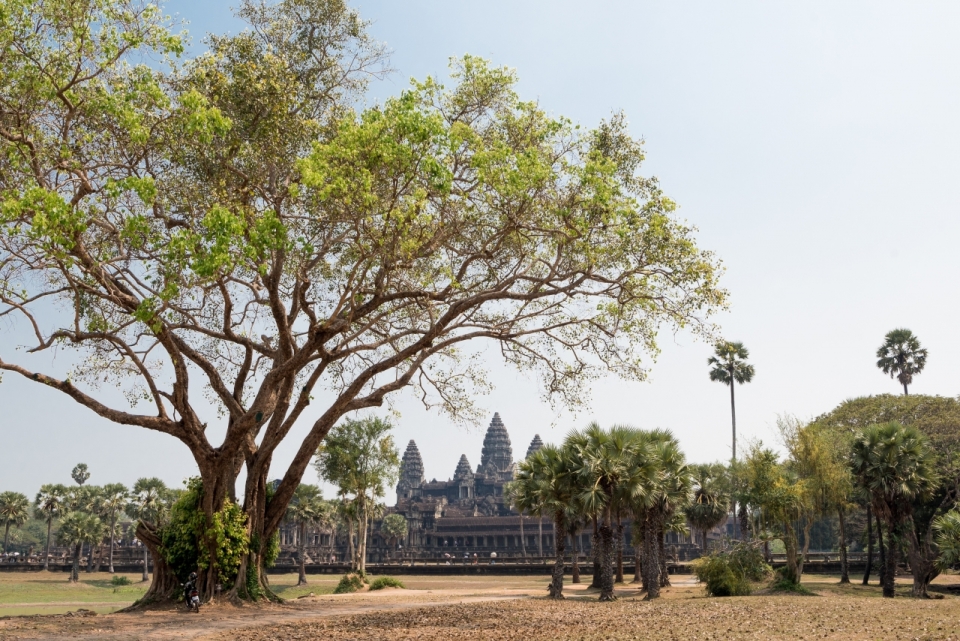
column 576, row 557
column 75, row 566
column 146, row 563
column 704, row 541
column 605, row 534
column 113, row 529
column 923, row 556
column 595, row 548
column 523, row 541
column 882, row 548
column 866, row 573
column 301, row 562
column 560, row 539
column 664, row 577
column 792, row 569
column 651, row 559
column 844, row 567
column 618, row 546
column 807, row 526
column 165, row 585
column 890, row 569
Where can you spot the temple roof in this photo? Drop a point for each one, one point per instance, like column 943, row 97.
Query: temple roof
column 496, row 452
column 463, row 469
column 535, row 445
column 411, row 466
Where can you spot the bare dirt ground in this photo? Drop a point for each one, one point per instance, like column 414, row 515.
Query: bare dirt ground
column 442, row 608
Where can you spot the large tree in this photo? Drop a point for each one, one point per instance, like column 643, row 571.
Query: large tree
column 228, row 229
column 938, row 419
column 359, row 457
column 14, row 512
column 896, row 465
column 901, row 356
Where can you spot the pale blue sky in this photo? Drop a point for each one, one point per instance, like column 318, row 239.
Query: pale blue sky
column 816, row 145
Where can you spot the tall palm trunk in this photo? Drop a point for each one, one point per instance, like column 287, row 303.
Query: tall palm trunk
column 576, row 556
column 664, row 571
column 605, row 535
column 704, row 541
column 881, row 547
column 733, row 447
column 595, row 548
column 113, row 531
column 618, row 546
column 540, row 537
column 46, row 554
column 560, row 540
column 890, row 569
column 866, row 573
column 75, row 567
column 301, row 563
column 350, row 547
column 651, row 560
column 523, row 541
column 844, row 568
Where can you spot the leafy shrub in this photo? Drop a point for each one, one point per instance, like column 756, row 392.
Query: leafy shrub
column 349, row 583
column 729, row 573
column 386, row 582
column 119, row 580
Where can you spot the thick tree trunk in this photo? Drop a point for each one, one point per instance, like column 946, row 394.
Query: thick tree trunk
column 923, row 556
column 651, row 559
column 844, row 567
column 807, row 526
column 301, row 562
column 605, row 536
column 890, row 569
column 46, row 554
column 75, row 566
column 560, row 539
column 595, row 548
column 165, row 585
column 792, row 570
column 704, row 541
column 866, row 572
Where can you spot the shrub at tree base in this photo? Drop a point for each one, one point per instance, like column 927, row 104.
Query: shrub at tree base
column 386, row 582
column 730, row 573
column 349, row 583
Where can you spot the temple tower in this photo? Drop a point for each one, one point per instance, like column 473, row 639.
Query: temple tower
column 535, row 445
column 496, row 457
column 411, row 472
column 464, row 479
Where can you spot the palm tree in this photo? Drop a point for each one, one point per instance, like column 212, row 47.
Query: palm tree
column 895, row 465
column 112, row 500
column 729, row 366
column 306, row 508
column 901, row 356
column 80, row 473
column 14, row 511
column 708, row 508
column 49, row 505
column 78, row 528
column 544, row 483
column 148, row 504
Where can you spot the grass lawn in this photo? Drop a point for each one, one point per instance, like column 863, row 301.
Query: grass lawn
column 51, row 593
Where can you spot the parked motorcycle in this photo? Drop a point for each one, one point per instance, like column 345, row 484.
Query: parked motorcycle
column 191, row 595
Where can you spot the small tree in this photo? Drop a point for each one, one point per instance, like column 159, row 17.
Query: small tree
column 80, row 474
column 709, row 506
column 149, row 502
column 49, row 505
column 306, row 508
column 393, row 528
column 360, row 458
column 901, row 356
column 78, row 528
column 14, row 511
column 113, row 500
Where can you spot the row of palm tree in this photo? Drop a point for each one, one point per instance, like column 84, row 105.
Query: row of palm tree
column 601, row 478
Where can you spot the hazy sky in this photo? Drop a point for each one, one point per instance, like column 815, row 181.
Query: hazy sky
column 815, row 145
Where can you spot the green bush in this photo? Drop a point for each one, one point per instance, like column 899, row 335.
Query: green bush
column 349, row 583
column 729, row 573
column 118, row 580
column 386, row 582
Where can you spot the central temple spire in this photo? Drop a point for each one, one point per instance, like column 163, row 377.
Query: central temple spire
column 496, row 457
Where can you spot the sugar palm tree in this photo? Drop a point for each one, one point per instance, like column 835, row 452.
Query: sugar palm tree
column 895, row 465
column 543, row 486
column 306, row 508
column 708, row 508
column 49, row 505
column 672, row 492
column 729, row 366
column 901, row 356
column 14, row 511
column 80, row 473
column 78, row 528
column 112, row 501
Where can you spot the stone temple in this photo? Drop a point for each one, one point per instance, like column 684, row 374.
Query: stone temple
column 468, row 511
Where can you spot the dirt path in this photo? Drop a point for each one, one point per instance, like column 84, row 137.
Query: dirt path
column 214, row 620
